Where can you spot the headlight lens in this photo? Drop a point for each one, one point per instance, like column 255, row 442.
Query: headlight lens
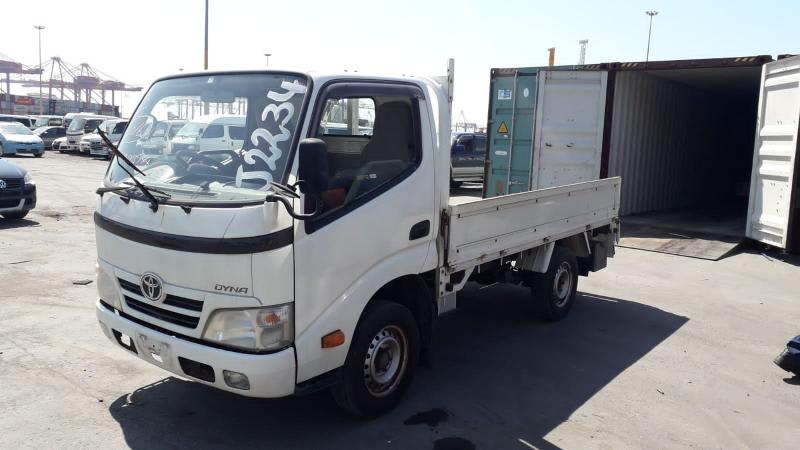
column 268, row 328
column 28, row 179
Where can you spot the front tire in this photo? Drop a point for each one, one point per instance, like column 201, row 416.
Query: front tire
column 382, row 360
column 38, row 155
column 554, row 291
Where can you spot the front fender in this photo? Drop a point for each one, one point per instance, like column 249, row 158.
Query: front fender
column 344, row 312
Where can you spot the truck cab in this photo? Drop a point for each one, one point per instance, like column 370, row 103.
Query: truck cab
column 310, row 256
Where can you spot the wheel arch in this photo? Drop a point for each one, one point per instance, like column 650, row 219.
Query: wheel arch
column 413, row 292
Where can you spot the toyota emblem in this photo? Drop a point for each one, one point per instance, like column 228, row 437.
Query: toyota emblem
column 152, row 287
column 3, row 184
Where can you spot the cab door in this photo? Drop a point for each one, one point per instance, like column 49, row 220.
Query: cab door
column 377, row 211
column 774, row 201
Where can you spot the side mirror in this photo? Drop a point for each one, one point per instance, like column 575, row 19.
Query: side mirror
column 313, row 166
column 459, row 148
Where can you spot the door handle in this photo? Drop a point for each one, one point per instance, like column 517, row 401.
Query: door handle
column 419, row 230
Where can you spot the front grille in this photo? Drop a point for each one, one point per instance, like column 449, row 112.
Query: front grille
column 171, row 300
column 154, row 310
column 162, row 314
column 12, row 183
column 9, row 203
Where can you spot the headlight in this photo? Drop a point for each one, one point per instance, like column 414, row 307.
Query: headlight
column 28, row 179
column 268, row 328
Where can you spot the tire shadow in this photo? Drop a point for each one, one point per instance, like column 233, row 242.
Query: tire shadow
column 7, row 224
column 499, row 378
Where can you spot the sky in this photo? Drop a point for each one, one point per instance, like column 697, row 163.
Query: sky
column 139, row 41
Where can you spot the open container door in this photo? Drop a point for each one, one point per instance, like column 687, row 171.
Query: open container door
column 568, row 134
column 774, row 160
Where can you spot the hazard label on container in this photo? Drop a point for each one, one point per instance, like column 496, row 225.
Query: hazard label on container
column 503, row 128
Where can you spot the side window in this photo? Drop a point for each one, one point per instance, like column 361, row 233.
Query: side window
column 385, row 149
column 348, row 117
column 236, row 133
column 467, row 142
column 213, row 131
column 480, row 144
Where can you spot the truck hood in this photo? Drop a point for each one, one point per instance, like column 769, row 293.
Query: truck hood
column 244, row 254
column 23, row 138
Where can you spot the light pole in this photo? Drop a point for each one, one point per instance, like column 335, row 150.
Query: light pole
column 205, row 59
column 649, row 33
column 41, row 101
column 267, row 55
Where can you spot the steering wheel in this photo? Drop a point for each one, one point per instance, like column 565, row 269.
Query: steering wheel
column 188, row 157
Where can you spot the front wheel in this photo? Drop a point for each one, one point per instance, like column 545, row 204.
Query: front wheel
column 381, row 362
column 38, row 155
column 554, row 291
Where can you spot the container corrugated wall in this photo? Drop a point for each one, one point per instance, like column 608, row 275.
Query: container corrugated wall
column 662, row 142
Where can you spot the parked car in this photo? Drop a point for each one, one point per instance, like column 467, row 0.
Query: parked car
column 25, row 120
column 81, row 125
column 48, row 121
column 50, row 134
column 159, row 142
column 57, row 143
column 16, row 138
column 94, row 145
column 467, row 155
column 209, row 133
column 17, row 191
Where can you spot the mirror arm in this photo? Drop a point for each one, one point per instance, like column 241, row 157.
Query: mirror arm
column 272, row 198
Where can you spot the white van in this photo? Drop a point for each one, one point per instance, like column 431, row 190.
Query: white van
column 209, row 133
column 80, row 125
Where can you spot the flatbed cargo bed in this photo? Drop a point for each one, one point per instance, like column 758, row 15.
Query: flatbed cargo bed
column 483, row 230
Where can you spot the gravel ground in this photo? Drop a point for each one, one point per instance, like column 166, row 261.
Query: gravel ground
column 660, row 352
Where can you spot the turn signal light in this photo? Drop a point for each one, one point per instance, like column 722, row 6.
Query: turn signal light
column 334, row 339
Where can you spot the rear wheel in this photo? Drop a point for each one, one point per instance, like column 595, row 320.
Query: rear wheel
column 381, row 362
column 554, row 291
column 15, row 215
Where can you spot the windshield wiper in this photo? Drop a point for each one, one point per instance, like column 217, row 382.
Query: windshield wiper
column 120, row 156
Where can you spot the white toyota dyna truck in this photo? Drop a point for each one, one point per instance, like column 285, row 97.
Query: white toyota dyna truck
column 319, row 256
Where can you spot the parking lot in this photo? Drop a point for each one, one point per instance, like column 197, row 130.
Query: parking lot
column 660, row 351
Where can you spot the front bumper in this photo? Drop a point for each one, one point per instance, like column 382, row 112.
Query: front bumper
column 98, row 151
column 271, row 375
column 17, row 200
column 13, row 148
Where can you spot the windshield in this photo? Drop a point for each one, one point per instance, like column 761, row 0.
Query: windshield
column 238, row 134
column 192, row 129
column 76, row 125
column 14, row 128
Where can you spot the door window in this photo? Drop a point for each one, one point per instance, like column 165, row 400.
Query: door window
column 236, row 133
column 213, row 131
column 348, row 117
column 373, row 143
